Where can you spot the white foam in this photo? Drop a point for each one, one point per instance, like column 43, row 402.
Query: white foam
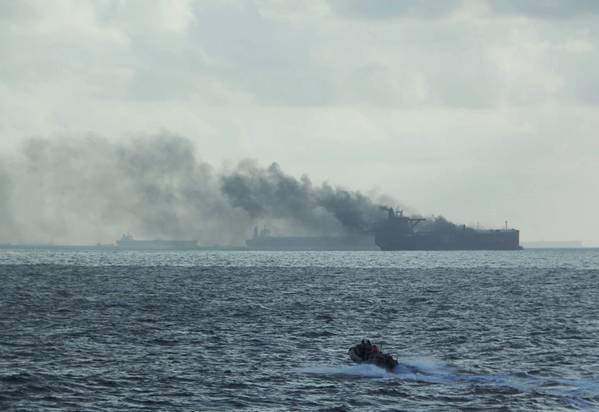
column 433, row 371
column 427, row 365
column 420, row 369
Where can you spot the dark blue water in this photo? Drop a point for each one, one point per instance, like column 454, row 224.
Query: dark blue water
column 108, row 330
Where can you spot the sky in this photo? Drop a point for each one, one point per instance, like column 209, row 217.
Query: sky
column 480, row 111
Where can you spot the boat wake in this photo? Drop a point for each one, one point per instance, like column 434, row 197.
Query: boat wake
column 582, row 393
column 418, row 370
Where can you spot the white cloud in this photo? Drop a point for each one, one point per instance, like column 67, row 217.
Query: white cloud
column 546, row 9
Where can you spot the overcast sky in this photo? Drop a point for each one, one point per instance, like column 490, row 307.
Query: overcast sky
column 481, row 111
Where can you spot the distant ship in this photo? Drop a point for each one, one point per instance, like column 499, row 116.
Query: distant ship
column 397, row 232
column 128, row 242
column 264, row 241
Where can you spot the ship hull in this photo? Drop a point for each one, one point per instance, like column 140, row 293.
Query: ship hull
column 312, row 243
column 471, row 240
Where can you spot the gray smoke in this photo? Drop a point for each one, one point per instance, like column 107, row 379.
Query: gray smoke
column 438, row 224
column 270, row 193
column 86, row 190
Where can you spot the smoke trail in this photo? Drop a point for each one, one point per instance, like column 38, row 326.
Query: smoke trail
column 89, row 189
column 7, row 224
column 271, row 193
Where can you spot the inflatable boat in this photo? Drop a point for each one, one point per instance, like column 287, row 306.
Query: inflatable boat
column 366, row 352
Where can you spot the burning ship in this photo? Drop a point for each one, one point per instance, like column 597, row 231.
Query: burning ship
column 398, row 233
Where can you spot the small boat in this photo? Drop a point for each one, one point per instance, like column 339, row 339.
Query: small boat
column 366, row 352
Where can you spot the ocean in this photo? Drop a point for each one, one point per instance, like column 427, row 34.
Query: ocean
column 109, row 330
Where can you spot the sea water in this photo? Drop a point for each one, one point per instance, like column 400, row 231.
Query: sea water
column 114, row 330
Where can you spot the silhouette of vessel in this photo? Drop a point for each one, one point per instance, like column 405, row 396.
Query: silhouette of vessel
column 128, row 242
column 398, row 232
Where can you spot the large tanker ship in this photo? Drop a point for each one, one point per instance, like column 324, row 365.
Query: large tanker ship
column 398, row 232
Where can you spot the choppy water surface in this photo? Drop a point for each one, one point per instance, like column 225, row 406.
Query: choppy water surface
column 110, row 330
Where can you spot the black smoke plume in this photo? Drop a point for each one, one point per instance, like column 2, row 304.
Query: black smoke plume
column 270, row 193
column 90, row 189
